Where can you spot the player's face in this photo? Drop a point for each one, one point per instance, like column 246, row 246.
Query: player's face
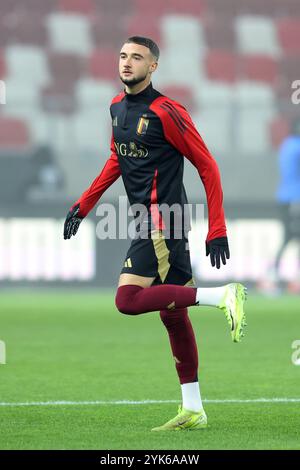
column 136, row 64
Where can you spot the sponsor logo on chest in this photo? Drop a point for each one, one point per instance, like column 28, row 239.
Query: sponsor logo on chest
column 132, row 150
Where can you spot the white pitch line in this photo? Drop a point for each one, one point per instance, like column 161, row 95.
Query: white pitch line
column 146, row 402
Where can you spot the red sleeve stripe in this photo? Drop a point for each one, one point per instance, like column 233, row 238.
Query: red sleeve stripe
column 171, row 106
column 155, row 214
column 174, row 114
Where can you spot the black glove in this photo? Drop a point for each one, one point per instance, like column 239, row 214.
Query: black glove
column 218, row 248
column 72, row 222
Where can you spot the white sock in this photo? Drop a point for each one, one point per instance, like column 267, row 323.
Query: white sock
column 211, row 296
column 191, row 398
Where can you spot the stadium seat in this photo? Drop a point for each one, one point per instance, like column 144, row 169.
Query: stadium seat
column 103, row 64
column 188, row 7
column 256, row 35
column 251, row 94
column 26, row 29
column 270, row 8
column 69, row 33
column 159, row 8
column 9, row 7
column 214, row 95
column 254, row 110
column 62, row 139
column 4, row 31
column 258, row 68
column 45, row 7
column 252, row 131
column 58, row 97
column 289, row 34
column 104, row 35
column 214, row 116
column 183, row 95
column 40, row 127
column 66, row 68
column 176, row 69
column 288, row 73
column 257, row 7
column 13, row 8
column 22, row 98
column 14, row 133
column 289, row 69
column 279, row 130
column 219, row 33
column 92, row 94
column 214, row 126
column 92, row 130
column 289, row 9
column 145, row 8
column 161, row 77
column 137, row 26
column 29, row 30
column 178, row 31
column 84, row 7
column 221, row 9
column 116, row 8
column 2, row 65
column 27, row 63
column 221, row 66
column 176, row 66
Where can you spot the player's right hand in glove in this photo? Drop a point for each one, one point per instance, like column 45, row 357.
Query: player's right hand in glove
column 72, row 222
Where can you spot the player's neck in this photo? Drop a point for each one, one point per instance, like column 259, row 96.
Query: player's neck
column 138, row 88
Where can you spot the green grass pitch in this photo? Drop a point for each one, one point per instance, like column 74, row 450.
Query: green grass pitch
column 75, row 346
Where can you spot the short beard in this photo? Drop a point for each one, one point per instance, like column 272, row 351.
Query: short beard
column 132, row 81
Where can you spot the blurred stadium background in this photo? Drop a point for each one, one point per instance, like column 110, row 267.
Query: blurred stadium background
column 230, row 62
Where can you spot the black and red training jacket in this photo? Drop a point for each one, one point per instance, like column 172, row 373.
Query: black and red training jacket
column 151, row 136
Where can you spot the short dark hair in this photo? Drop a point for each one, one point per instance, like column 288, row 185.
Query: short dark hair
column 147, row 42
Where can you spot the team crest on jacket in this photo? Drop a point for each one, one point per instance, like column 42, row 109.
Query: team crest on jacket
column 142, row 125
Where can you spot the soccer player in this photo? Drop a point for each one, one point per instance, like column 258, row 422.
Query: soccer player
column 151, row 136
column 288, row 194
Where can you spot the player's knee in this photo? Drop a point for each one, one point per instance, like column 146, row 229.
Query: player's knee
column 124, row 307
column 125, row 301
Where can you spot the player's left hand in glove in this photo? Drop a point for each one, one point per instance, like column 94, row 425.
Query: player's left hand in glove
column 72, row 222
column 218, row 250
